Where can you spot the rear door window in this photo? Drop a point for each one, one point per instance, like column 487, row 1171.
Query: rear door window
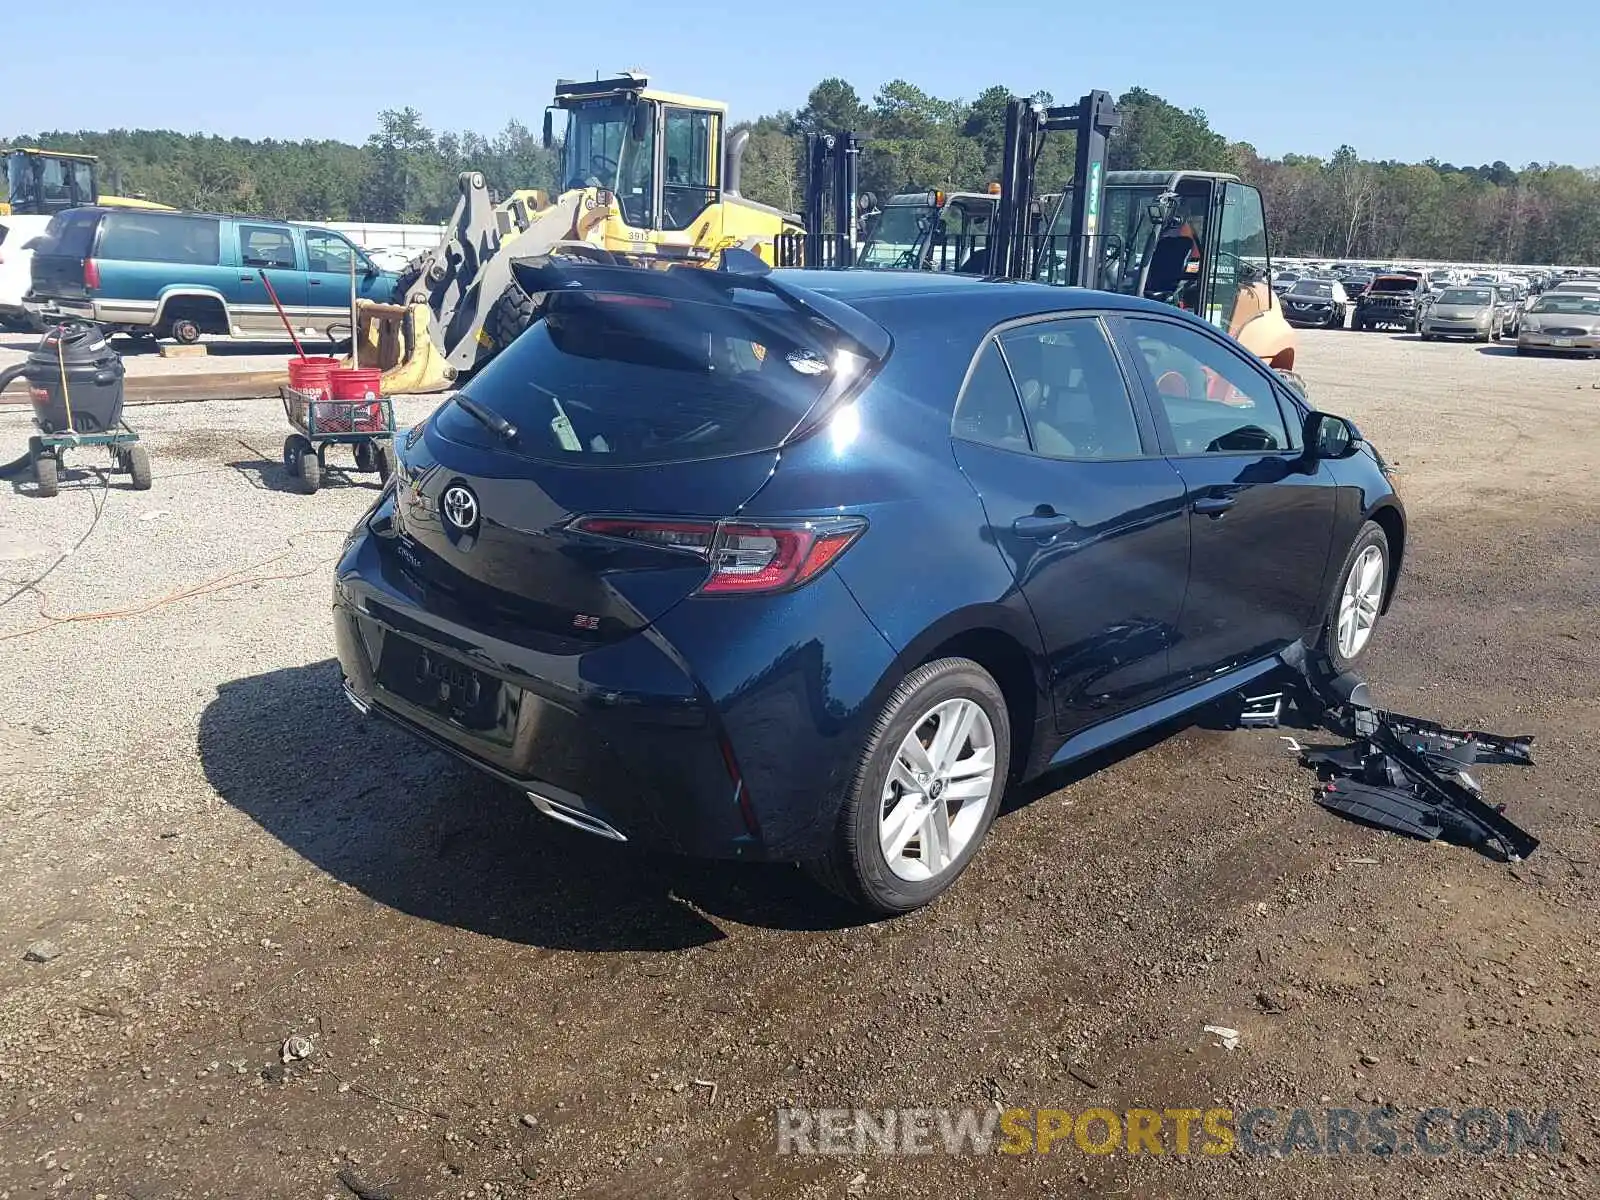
column 148, row 237
column 269, row 246
column 610, row 379
column 1073, row 394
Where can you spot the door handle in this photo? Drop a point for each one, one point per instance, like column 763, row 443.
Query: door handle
column 314, row 282
column 1213, row 506
column 1042, row 524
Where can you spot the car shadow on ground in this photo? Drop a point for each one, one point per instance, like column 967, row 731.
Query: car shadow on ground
column 415, row 830
column 270, row 475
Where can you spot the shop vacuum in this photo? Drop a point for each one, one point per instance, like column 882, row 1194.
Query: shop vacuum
column 75, row 382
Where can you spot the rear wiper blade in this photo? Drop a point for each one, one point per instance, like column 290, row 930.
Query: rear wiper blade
column 493, row 421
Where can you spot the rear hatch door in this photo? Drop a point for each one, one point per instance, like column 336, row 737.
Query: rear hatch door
column 632, row 396
column 60, row 254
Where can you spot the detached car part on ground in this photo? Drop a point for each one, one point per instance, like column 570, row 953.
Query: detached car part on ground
column 810, row 566
column 1404, row 774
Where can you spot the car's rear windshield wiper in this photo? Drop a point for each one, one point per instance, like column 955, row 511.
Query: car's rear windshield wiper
column 491, row 420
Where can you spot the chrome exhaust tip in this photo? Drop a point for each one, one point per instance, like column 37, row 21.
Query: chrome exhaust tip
column 576, row 817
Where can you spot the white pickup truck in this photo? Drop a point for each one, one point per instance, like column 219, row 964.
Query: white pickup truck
column 16, row 232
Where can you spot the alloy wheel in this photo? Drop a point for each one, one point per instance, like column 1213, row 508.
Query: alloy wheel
column 938, row 787
column 1360, row 601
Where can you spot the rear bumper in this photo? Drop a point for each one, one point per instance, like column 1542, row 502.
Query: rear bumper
column 745, row 755
column 47, row 311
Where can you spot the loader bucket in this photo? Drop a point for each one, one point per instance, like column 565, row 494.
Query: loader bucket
column 394, row 338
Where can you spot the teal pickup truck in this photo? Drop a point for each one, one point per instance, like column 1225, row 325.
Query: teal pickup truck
column 184, row 275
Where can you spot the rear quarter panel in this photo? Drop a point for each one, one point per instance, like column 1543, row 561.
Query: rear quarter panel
column 925, row 571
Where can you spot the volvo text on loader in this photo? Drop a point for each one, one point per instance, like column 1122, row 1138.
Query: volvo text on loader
column 648, row 178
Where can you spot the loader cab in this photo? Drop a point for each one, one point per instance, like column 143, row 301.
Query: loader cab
column 42, row 182
column 1194, row 239
column 937, row 231
column 658, row 153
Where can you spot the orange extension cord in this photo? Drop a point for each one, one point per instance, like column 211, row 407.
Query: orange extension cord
column 217, row 583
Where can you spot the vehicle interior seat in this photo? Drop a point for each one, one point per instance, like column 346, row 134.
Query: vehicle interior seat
column 1167, row 262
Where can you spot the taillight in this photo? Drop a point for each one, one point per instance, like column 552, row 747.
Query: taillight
column 91, row 273
column 744, row 557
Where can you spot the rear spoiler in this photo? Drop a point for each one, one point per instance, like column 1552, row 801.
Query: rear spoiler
column 739, row 269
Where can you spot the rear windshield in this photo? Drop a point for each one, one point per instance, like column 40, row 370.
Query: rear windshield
column 1465, row 296
column 69, row 234
column 147, row 237
column 612, row 380
column 1394, row 283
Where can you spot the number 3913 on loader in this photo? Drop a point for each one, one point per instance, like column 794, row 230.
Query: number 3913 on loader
column 648, row 178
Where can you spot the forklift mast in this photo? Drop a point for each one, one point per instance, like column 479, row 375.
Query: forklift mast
column 833, row 170
column 1014, row 251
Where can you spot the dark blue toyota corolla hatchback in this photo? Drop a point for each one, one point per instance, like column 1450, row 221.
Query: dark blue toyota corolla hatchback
column 808, row 566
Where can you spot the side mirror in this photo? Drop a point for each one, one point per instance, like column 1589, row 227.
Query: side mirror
column 549, row 129
column 1327, row 436
column 641, row 121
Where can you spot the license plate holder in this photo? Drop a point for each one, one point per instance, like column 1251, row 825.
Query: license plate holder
column 447, row 687
column 1561, row 341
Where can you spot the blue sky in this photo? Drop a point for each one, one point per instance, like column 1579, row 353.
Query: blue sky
column 1465, row 81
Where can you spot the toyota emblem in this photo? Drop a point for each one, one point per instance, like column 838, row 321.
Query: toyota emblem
column 460, row 507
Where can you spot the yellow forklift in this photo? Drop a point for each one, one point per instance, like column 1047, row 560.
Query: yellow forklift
column 1193, row 239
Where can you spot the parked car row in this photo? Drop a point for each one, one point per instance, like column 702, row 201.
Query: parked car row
column 1565, row 319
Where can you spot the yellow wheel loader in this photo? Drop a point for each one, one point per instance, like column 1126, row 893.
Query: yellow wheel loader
column 41, row 183
column 649, row 178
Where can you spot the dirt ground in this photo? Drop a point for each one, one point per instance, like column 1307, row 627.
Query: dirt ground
column 226, row 856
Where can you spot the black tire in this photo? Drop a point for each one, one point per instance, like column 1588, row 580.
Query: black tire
column 1358, row 325
column 363, row 456
column 383, row 458
column 856, row 867
column 184, row 331
column 300, row 460
column 1371, row 534
column 46, row 475
column 510, row 316
column 1430, row 337
column 139, row 468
